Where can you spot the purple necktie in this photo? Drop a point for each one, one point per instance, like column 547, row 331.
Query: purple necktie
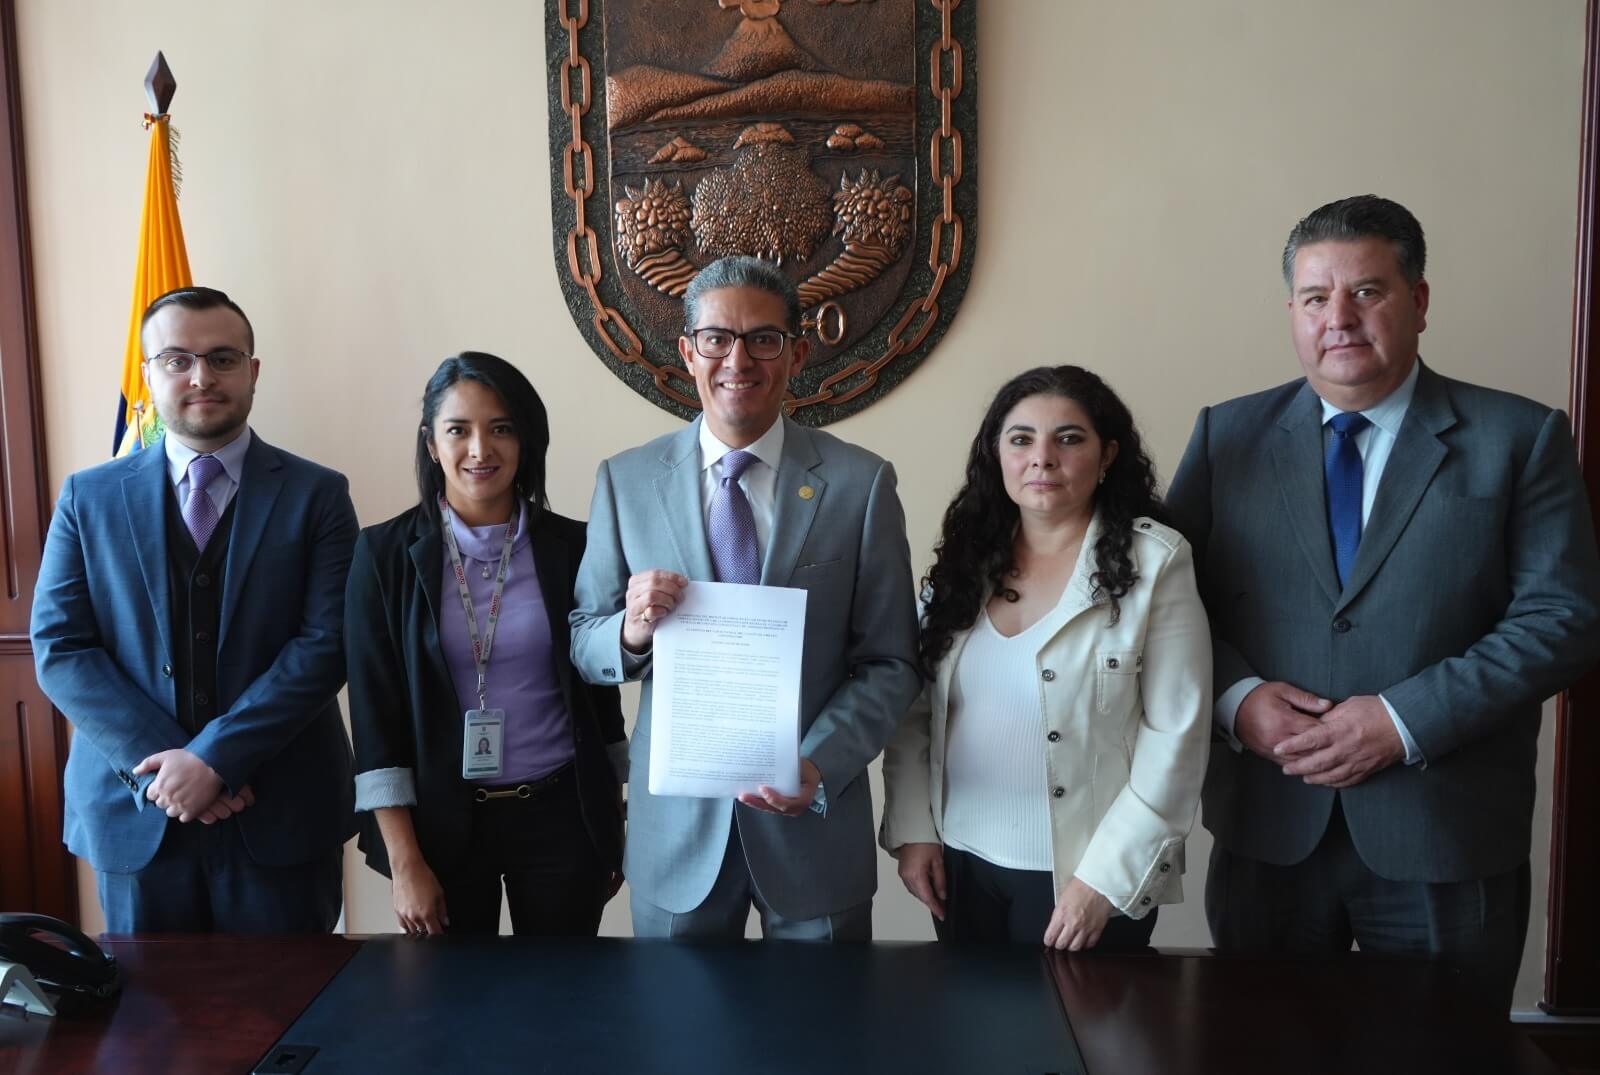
column 731, row 532
column 200, row 511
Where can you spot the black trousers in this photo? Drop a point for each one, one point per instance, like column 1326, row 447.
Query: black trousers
column 538, row 848
column 1318, row 906
column 989, row 904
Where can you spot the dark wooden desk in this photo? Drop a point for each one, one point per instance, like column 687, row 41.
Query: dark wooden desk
column 189, row 1004
column 218, row 1004
column 1194, row 1012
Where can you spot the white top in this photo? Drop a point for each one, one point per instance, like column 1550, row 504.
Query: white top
column 221, row 489
column 759, row 481
column 1375, row 443
column 998, row 804
column 1129, row 703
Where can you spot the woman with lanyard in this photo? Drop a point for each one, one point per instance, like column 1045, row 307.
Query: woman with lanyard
column 481, row 756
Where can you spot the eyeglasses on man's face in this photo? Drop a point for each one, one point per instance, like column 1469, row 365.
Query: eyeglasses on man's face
column 761, row 344
column 221, row 361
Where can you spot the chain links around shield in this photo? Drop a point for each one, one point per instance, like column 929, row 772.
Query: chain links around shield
column 944, row 248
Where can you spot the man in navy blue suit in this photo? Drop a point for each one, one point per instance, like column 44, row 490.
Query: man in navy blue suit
column 188, row 622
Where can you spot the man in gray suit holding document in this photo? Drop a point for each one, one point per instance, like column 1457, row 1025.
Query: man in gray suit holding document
column 1399, row 567
column 746, row 495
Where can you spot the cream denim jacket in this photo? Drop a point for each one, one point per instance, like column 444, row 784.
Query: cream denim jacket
column 1127, row 726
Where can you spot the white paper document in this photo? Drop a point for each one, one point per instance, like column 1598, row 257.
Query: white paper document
column 725, row 708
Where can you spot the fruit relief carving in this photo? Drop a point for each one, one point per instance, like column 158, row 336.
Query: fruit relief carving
column 832, row 137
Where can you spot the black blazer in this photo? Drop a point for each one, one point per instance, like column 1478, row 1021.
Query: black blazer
column 404, row 712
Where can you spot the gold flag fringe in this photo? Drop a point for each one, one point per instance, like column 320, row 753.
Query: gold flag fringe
column 174, row 165
column 173, row 140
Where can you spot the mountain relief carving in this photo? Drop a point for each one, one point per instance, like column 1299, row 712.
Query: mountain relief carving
column 747, row 155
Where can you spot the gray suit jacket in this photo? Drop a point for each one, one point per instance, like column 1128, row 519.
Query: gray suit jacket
column 1473, row 597
column 846, row 546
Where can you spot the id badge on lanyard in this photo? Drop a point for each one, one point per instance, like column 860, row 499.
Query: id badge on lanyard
column 480, row 750
column 483, row 735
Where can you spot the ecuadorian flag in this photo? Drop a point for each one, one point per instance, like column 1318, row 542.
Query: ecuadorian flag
column 163, row 265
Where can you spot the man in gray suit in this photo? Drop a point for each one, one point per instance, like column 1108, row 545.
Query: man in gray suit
column 1399, row 567
column 744, row 494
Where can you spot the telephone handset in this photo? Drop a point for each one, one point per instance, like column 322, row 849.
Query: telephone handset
column 72, row 965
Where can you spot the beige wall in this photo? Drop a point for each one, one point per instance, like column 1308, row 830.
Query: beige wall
column 369, row 178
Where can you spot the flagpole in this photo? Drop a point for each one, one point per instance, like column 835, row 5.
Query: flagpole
column 162, row 263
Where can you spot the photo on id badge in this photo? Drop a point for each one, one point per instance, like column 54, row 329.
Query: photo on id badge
column 480, row 745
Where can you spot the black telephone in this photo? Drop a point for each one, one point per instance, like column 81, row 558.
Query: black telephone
column 74, row 967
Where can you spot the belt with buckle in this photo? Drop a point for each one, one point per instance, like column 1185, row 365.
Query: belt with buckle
column 521, row 791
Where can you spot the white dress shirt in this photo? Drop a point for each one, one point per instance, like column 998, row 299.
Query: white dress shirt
column 222, row 487
column 1375, row 443
column 760, row 485
column 759, row 481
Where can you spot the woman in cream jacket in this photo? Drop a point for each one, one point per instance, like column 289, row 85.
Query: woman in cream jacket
column 1045, row 784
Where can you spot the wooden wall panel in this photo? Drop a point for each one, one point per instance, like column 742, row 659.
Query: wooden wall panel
column 36, row 873
column 1572, row 959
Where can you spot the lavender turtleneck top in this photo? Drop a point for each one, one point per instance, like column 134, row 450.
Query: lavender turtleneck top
column 522, row 672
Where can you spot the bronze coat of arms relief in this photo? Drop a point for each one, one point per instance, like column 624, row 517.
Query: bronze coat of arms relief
column 834, row 137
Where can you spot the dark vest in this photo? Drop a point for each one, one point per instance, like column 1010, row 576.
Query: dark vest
column 194, row 582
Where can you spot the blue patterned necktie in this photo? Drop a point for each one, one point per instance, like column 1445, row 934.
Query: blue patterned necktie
column 200, row 511
column 1342, row 468
column 731, row 529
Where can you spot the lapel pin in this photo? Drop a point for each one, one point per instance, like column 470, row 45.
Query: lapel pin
column 806, row 492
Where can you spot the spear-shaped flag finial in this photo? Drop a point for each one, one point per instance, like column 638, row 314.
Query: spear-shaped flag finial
column 159, row 85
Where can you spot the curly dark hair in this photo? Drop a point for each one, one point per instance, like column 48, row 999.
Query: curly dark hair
column 975, row 554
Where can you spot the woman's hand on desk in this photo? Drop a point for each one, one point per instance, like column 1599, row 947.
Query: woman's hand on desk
column 922, row 872
column 1079, row 918
column 419, row 900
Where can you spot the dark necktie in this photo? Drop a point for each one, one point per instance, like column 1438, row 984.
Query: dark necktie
column 1342, row 468
column 731, row 529
column 200, row 511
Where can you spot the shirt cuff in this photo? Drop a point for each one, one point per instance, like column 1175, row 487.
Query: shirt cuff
column 618, row 754
column 1227, row 709
column 819, row 802
column 634, row 664
column 1413, row 752
column 380, row 788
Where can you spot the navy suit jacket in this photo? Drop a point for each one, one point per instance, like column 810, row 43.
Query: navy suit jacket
column 103, row 645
